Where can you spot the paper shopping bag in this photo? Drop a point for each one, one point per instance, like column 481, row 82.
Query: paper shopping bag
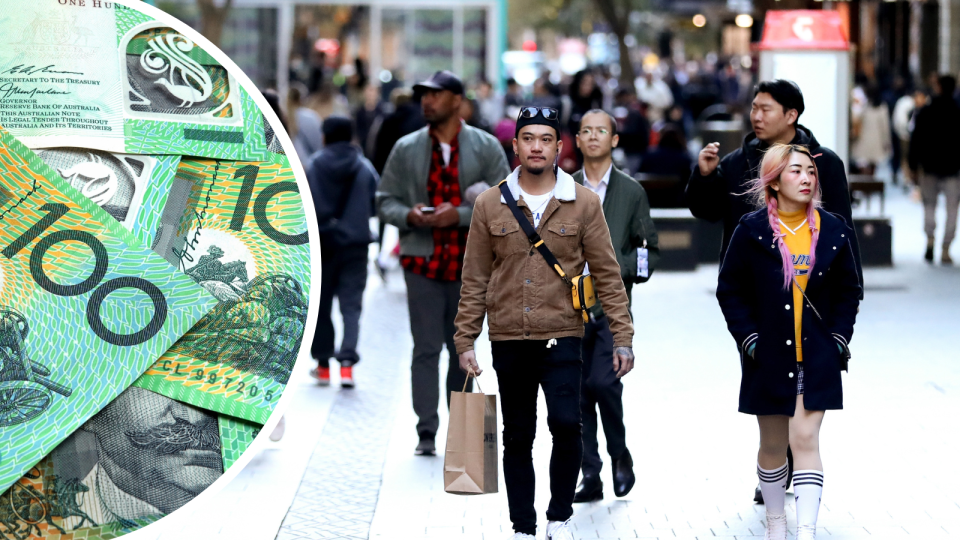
column 470, row 460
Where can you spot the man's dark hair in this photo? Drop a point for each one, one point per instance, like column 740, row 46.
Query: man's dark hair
column 337, row 129
column 784, row 92
column 613, row 121
column 948, row 85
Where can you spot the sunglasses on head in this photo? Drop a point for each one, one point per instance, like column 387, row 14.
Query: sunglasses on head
column 548, row 113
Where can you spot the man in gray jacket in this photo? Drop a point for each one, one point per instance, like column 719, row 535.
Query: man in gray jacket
column 427, row 191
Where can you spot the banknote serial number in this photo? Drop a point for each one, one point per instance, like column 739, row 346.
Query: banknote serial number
column 213, row 377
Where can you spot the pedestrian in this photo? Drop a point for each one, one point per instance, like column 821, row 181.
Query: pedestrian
column 305, row 125
column 670, row 157
column 655, row 93
column 717, row 188
column 633, row 128
column 343, row 184
column 789, row 291
column 626, row 211
column 369, row 117
column 873, row 144
column 423, row 194
column 933, row 148
column 533, row 326
column 903, row 121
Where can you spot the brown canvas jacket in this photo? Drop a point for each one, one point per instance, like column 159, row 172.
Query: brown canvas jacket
column 507, row 280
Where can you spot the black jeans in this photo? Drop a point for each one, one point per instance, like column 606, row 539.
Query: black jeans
column 522, row 367
column 345, row 277
column 433, row 307
column 600, row 389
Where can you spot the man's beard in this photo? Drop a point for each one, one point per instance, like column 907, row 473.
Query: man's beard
column 535, row 171
column 182, row 435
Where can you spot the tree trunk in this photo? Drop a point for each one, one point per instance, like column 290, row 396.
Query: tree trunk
column 212, row 19
column 617, row 13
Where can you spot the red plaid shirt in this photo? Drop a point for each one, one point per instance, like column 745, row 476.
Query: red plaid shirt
column 443, row 185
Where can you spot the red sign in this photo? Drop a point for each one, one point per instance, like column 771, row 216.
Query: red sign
column 804, row 29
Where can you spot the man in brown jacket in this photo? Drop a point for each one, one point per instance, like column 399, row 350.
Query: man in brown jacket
column 534, row 329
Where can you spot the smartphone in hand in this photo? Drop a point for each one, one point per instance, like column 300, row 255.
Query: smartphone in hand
column 427, row 209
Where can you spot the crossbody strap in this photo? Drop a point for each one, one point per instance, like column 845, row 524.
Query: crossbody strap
column 532, row 233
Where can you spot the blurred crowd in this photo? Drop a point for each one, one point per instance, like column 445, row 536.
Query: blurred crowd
column 656, row 114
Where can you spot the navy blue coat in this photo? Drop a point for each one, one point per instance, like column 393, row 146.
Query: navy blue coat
column 758, row 309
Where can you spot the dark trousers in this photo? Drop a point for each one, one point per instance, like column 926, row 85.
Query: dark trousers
column 600, row 389
column 433, row 308
column 522, row 367
column 344, row 277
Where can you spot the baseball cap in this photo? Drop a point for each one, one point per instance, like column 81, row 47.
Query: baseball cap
column 441, row 80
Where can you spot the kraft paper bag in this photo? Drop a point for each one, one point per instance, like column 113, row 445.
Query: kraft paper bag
column 470, row 460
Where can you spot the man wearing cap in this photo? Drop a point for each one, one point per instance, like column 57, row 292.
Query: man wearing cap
column 533, row 326
column 424, row 191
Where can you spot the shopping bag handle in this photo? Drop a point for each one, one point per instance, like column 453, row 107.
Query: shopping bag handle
column 471, row 374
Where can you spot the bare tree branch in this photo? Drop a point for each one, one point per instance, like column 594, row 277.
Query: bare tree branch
column 617, row 14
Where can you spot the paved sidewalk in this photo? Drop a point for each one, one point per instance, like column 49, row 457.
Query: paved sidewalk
column 890, row 466
column 347, row 469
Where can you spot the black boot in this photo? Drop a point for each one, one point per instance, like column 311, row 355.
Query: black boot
column 591, row 489
column 623, row 477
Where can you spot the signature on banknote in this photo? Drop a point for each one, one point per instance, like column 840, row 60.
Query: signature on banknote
column 23, row 69
column 9, row 90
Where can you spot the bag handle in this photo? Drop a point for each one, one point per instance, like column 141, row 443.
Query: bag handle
column 471, row 374
column 531, row 233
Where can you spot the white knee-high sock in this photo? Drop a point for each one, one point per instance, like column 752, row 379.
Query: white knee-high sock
column 807, row 490
column 773, row 485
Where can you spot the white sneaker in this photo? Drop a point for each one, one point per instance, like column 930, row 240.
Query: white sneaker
column 806, row 532
column 559, row 530
column 522, row 536
column 776, row 527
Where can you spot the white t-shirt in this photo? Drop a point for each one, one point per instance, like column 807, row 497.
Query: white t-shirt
column 445, row 150
column 537, row 204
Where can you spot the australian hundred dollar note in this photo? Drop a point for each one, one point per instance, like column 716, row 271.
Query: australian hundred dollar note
column 118, row 183
column 238, row 230
column 141, row 457
column 84, row 308
column 105, row 76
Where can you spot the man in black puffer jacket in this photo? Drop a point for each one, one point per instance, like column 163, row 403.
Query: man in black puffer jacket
column 343, row 184
column 717, row 188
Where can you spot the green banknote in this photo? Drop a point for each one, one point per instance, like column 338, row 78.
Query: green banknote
column 118, row 183
column 140, row 458
column 239, row 230
column 106, row 76
column 235, row 437
column 84, row 308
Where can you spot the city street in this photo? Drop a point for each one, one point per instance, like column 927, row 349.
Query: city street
column 345, row 468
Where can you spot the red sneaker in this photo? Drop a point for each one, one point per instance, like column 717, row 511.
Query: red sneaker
column 322, row 375
column 346, row 377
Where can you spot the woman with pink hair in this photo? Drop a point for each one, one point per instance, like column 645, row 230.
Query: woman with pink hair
column 789, row 292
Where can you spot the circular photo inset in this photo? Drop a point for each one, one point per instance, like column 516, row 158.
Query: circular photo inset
column 157, row 284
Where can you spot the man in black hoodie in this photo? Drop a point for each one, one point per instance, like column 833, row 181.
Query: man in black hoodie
column 717, row 188
column 343, row 184
column 933, row 147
